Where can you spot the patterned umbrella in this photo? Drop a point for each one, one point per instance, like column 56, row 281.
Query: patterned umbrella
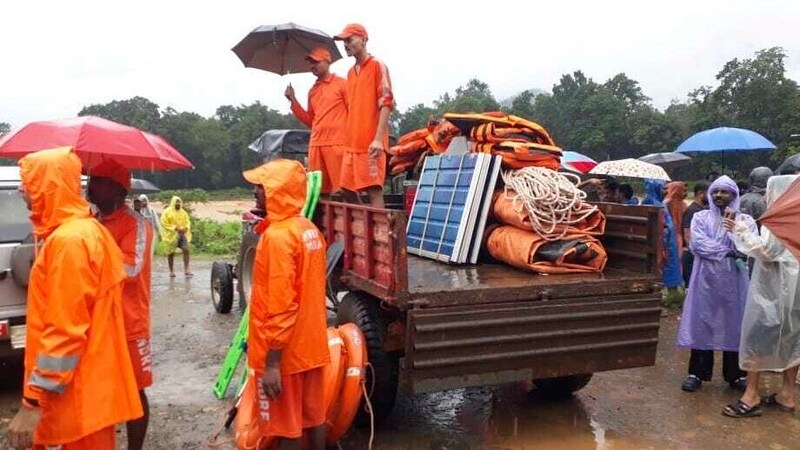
column 577, row 162
column 631, row 168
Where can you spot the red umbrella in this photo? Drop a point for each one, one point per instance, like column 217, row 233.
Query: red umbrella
column 783, row 218
column 95, row 139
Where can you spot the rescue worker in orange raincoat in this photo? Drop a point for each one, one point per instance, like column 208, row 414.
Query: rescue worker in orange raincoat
column 326, row 117
column 370, row 101
column 108, row 186
column 288, row 346
column 79, row 382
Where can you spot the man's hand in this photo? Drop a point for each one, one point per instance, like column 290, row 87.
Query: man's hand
column 375, row 148
column 20, row 431
column 728, row 224
column 271, row 382
column 289, row 93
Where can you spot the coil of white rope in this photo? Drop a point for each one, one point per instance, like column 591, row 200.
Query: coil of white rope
column 549, row 198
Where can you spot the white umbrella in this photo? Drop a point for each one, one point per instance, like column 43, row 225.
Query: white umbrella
column 631, row 168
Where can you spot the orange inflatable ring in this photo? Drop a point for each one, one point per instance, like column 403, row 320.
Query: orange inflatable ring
column 355, row 350
column 248, row 435
column 333, row 373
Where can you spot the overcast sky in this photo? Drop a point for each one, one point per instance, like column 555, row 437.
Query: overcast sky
column 58, row 56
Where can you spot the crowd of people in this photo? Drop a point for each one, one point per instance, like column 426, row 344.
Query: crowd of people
column 87, row 357
column 741, row 283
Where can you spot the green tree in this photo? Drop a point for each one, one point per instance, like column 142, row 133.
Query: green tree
column 4, row 127
column 137, row 111
column 474, row 97
column 415, row 118
column 522, row 105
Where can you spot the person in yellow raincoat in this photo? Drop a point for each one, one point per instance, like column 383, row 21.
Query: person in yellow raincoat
column 176, row 232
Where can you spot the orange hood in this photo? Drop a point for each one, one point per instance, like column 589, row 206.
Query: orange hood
column 284, row 182
column 52, row 181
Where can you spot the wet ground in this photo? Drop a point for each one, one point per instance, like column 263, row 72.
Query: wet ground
column 623, row 410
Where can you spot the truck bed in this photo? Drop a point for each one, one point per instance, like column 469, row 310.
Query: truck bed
column 496, row 282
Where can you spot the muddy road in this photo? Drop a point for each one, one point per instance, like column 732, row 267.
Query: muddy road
column 623, row 410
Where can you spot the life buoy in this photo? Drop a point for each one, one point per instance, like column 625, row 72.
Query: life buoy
column 333, row 373
column 248, row 434
column 349, row 400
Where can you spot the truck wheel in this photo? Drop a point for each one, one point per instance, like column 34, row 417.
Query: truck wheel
column 244, row 267
column 365, row 312
column 222, row 287
column 561, row 387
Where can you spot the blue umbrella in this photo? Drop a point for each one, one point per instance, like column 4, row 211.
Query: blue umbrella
column 725, row 139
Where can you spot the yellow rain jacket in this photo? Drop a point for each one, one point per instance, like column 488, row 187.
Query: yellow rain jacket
column 171, row 220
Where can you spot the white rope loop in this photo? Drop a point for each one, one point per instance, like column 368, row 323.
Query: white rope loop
column 549, row 198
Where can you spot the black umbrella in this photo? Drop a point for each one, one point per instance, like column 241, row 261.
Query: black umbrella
column 139, row 186
column 790, row 166
column 282, row 49
column 668, row 160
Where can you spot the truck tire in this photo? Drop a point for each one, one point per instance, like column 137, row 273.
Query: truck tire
column 561, row 387
column 222, row 287
column 365, row 312
column 244, row 267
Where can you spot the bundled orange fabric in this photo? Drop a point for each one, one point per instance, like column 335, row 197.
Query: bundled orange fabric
column 77, row 365
column 414, row 146
column 676, row 193
column 527, row 250
column 287, row 310
column 506, row 212
column 521, row 142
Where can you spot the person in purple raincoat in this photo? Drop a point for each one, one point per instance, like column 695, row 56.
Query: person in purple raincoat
column 714, row 306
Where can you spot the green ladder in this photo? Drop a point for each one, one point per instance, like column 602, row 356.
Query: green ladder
column 239, row 344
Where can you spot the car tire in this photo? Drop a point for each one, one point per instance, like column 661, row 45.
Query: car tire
column 561, row 387
column 222, row 286
column 364, row 311
column 244, row 267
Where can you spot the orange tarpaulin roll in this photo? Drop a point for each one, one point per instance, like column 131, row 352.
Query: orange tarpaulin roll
column 575, row 253
column 506, row 212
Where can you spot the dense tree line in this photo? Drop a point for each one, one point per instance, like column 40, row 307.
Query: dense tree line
column 606, row 120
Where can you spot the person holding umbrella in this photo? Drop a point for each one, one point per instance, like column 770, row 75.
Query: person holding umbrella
column 770, row 338
column 108, row 186
column 712, row 312
column 370, row 101
column 326, row 117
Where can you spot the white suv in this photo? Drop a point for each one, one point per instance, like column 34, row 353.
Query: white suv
column 16, row 258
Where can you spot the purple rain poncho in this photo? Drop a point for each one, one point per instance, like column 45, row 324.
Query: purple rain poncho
column 714, row 306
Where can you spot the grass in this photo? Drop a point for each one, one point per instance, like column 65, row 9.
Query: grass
column 673, row 299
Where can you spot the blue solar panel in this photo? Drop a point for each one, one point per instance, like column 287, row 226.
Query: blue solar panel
column 449, row 202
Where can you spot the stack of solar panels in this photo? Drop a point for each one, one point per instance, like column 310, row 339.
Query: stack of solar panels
column 452, row 204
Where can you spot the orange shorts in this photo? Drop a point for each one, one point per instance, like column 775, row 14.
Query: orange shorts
column 360, row 172
column 105, row 439
column 328, row 159
column 142, row 362
column 299, row 406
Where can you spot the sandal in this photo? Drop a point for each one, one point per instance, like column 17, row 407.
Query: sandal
column 772, row 400
column 189, row 274
column 740, row 409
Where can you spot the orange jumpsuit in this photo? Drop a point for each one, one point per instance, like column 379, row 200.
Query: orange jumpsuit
column 327, row 119
column 287, row 311
column 369, row 89
column 77, row 367
column 134, row 236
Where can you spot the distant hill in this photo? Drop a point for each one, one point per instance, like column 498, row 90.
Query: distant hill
column 507, row 102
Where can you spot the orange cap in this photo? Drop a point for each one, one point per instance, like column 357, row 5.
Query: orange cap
column 353, row 29
column 320, row 54
column 111, row 169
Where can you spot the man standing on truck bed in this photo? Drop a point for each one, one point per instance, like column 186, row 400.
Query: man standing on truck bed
column 287, row 346
column 370, row 102
column 326, row 117
column 78, row 377
column 108, row 186
column 714, row 307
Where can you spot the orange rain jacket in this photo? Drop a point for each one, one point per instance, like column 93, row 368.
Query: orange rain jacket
column 134, row 236
column 287, row 311
column 327, row 112
column 77, row 365
column 369, row 89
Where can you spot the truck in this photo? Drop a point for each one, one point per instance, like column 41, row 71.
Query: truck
column 431, row 326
